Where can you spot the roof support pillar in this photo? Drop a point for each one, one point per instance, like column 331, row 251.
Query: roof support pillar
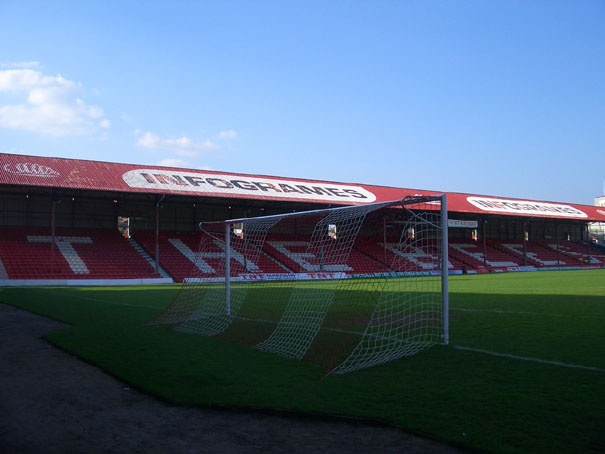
column 53, row 209
column 558, row 246
column 525, row 239
column 588, row 259
column 157, row 232
column 484, row 223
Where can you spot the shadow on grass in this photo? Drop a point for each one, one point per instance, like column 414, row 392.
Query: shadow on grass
column 500, row 404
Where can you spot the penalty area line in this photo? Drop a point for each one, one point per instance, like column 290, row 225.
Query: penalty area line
column 524, row 358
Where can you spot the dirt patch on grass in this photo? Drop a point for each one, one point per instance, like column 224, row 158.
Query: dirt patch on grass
column 51, row 401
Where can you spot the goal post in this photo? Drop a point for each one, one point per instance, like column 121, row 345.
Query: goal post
column 346, row 288
column 445, row 286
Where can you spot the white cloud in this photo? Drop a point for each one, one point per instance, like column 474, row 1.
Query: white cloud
column 229, row 134
column 183, row 146
column 19, row 64
column 52, row 105
column 148, row 140
column 169, row 162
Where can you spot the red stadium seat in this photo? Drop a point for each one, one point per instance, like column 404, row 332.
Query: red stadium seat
column 79, row 254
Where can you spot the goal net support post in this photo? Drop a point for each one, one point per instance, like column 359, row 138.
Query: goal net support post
column 346, row 288
column 445, row 287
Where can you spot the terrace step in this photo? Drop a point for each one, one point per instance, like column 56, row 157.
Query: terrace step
column 141, row 250
column 3, row 273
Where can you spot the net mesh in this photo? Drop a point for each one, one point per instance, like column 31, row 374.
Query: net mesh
column 346, row 288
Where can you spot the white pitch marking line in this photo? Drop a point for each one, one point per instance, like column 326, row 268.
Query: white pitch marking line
column 523, row 358
column 499, row 311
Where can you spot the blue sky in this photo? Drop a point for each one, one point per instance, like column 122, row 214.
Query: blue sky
column 488, row 97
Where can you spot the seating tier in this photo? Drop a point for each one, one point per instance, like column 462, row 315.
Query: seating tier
column 179, row 255
column 78, row 254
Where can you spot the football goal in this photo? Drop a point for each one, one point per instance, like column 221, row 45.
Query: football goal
column 346, row 288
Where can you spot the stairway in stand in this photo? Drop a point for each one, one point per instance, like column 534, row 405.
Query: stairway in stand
column 147, row 257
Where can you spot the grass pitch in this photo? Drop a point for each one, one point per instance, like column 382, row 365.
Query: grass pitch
column 525, row 371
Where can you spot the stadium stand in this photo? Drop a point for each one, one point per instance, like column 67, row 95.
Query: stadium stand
column 80, row 254
column 537, row 255
column 178, row 255
column 281, row 254
column 292, row 252
column 471, row 253
column 94, row 198
column 414, row 260
column 599, row 248
column 25, row 253
column 3, row 273
column 575, row 254
column 289, row 253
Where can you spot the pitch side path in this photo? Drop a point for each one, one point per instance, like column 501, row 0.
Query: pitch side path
column 52, row 402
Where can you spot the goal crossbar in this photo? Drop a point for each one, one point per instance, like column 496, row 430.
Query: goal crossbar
column 321, row 211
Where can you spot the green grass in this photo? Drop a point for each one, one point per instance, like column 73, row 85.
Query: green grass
column 501, row 404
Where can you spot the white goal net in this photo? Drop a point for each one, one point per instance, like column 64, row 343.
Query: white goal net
column 346, row 288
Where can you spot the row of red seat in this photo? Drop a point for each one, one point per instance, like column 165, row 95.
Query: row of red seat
column 499, row 254
column 78, row 254
column 284, row 253
column 105, row 254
